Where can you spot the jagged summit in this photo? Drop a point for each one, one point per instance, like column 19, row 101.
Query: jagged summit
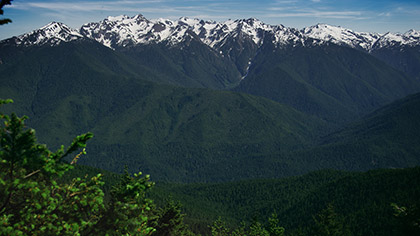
column 341, row 36
column 410, row 38
column 125, row 31
column 54, row 33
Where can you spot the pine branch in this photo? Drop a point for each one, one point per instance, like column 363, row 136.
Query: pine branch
column 5, row 21
column 33, row 173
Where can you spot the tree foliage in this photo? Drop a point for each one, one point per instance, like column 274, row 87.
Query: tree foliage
column 256, row 228
column 34, row 202
column 408, row 219
column 169, row 221
column 329, row 223
column 2, row 4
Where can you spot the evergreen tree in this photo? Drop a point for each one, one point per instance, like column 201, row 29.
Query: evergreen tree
column 169, row 221
column 257, row 229
column 219, row 228
column 128, row 211
column 2, row 4
column 273, row 226
column 329, row 223
column 34, row 202
column 408, row 219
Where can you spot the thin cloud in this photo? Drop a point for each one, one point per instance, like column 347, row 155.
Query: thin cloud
column 386, row 14
column 280, row 2
column 281, row 8
column 149, row 6
column 321, row 14
column 84, row 6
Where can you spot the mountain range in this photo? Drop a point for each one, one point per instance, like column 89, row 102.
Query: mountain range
column 197, row 53
column 193, row 100
column 124, row 31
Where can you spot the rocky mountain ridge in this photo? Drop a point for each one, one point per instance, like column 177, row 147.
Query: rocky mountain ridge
column 125, row 31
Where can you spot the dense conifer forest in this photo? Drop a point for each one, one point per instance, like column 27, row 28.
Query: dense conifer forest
column 43, row 194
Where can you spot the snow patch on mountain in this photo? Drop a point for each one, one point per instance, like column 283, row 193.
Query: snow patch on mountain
column 125, row 31
column 341, row 36
column 367, row 41
column 410, row 38
column 54, row 33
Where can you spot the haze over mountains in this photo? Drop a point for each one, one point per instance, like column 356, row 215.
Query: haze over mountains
column 150, row 91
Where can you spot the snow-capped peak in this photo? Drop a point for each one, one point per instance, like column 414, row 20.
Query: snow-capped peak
column 412, row 34
column 124, row 31
column 367, row 41
column 410, row 38
column 341, row 36
column 117, row 18
column 54, row 33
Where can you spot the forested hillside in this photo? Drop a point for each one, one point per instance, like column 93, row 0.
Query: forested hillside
column 190, row 134
column 387, row 138
column 336, row 83
column 405, row 58
column 379, row 202
column 171, row 132
column 360, row 201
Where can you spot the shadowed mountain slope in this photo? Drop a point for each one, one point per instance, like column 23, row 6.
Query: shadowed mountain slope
column 335, row 83
column 170, row 132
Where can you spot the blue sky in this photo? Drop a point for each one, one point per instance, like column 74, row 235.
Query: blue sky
column 360, row 15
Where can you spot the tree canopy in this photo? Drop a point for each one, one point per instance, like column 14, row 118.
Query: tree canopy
column 2, row 4
column 33, row 200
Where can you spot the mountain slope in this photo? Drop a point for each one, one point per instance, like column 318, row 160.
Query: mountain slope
column 388, row 138
column 124, row 32
column 403, row 57
column 189, row 64
column 304, row 69
column 171, row 132
column 398, row 50
column 202, row 135
column 335, row 83
column 81, row 85
column 52, row 34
